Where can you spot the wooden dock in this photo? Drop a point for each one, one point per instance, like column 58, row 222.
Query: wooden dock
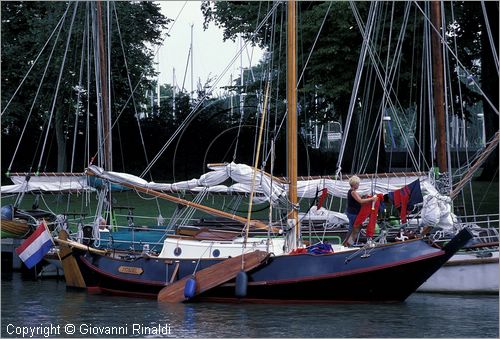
column 213, row 276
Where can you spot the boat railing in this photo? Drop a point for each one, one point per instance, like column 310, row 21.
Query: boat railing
column 483, row 220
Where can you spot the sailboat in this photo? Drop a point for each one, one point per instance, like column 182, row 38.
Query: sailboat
column 265, row 270
column 17, row 222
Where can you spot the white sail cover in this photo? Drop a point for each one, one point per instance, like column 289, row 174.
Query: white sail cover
column 70, row 183
column 276, row 191
column 265, row 184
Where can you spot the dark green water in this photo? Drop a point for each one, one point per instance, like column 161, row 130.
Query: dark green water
column 42, row 304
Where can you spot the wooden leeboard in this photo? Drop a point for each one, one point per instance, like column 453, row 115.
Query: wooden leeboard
column 72, row 273
column 213, row 276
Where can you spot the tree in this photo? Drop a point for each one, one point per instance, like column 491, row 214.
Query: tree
column 327, row 83
column 490, row 85
column 26, row 26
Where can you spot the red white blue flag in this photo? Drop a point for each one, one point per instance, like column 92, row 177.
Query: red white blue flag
column 33, row 249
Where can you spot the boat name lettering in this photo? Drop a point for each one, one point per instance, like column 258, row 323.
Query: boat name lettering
column 130, row 270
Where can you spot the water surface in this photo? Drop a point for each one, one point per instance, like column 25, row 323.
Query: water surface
column 45, row 303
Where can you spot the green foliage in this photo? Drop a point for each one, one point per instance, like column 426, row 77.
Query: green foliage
column 327, row 83
column 26, row 27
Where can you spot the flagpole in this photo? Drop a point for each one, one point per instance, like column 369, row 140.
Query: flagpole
column 51, row 238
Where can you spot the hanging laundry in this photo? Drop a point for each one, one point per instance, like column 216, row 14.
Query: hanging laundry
column 324, row 194
column 406, row 198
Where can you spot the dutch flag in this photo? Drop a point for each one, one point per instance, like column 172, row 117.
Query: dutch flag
column 35, row 246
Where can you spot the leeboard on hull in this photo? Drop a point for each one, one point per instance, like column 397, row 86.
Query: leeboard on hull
column 387, row 273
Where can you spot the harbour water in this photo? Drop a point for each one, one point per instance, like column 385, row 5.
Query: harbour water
column 45, row 308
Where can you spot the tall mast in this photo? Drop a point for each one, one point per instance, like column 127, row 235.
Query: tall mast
column 438, row 86
column 106, row 118
column 292, row 118
column 191, row 54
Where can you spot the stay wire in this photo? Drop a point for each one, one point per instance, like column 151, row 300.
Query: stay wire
column 60, row 25
column 464, row 135
column 194, row 110
column 443, row 42
column 132, row 95
column 494, row 51
column 38, row 56
column 58, row 82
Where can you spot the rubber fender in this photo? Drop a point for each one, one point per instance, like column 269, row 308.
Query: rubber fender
column 241, row 285
column 190, row 288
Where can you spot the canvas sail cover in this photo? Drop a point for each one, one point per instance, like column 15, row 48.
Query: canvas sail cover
column 42, row 183
column 273, row 189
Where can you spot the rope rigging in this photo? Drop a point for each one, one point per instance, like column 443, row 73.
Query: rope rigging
column 58, row 83
column 60, row 25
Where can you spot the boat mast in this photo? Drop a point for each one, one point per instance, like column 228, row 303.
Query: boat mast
column 105, row 111
column 292, row 120
column 438, row 86
column 106, row 115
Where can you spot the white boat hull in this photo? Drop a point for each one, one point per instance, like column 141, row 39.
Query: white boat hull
column 465, row 273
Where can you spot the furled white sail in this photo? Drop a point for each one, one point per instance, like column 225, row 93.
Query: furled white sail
column 52, row 183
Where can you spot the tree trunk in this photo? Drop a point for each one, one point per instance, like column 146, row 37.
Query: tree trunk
column 490, row 87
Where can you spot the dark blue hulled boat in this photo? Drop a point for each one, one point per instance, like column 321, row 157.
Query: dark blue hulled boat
column 386, row 273
column 380, row 273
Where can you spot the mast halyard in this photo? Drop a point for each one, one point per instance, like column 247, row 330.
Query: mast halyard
column 291, row 90
column 438, row 87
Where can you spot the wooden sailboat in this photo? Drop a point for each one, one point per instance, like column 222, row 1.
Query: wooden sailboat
column 346, row 275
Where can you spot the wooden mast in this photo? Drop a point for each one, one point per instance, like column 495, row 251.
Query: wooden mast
column 106, row 114
column 292, row 118
column 438, row 86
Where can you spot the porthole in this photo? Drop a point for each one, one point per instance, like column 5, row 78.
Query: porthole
column 177, row 251
column 216, row 253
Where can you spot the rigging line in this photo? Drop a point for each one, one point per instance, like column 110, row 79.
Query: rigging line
column 443, row 42
column 357, row 81
column 399, row 46
column 314, row 43
column 397, row 53
column 377, row 70
column 463, row 120
column 186, row 70
column 132, row 95
column 58, row 82
column 387, row 74
column 87, row 129
column 246, row 48
column 194, row 112
column 141, row 75
column 108, row 75
column 36, row 95
column 490, row 37
column 276, row 129
column 255, row 168
column 95, row 49
column 447, row 89
column 359, row 153
column 38, row 56
column 427, row 39
column 79, row 91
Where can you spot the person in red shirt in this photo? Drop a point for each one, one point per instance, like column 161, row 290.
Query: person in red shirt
column 354, row 202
